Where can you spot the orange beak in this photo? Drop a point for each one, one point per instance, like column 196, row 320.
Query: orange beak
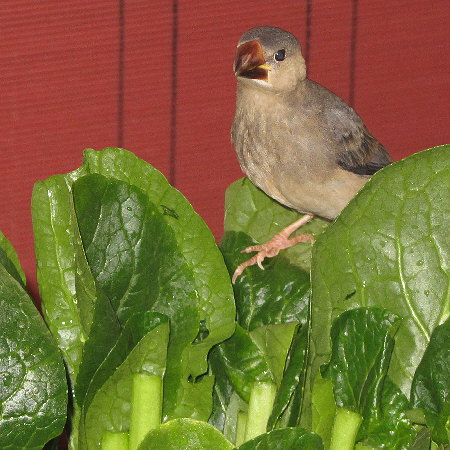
column 250, row 61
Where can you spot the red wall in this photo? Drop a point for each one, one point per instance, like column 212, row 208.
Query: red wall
column 155, row 77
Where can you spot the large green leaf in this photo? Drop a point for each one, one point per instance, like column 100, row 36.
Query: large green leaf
column 430, row 389
column 368, row 334
column 137, row 266
column 187, row 434
column 389, row 248
column 52, row 214
column 250, row 210
column 33, row 387
column 362, row 343
column 195, row 240
column 70, row 275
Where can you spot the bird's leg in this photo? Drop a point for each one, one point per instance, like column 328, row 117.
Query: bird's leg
column 271, row 248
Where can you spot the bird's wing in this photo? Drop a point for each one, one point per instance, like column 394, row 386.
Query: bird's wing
column 358, row 151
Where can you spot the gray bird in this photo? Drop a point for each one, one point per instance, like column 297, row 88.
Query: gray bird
column 296, row 140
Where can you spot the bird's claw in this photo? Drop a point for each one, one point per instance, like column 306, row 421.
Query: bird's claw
column 268, row 250
column 256, row 259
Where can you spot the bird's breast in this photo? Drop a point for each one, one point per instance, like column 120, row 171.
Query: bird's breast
column 283, row 152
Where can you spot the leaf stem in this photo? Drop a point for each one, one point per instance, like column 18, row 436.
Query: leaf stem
column 345, row 428
column 241, row 428
column 114, row 441
column 146, row 405
column 260, row 406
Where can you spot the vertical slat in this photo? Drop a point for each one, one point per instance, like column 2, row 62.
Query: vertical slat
column 403, row 73
column 174, row 95
column 306, row 46
column 353, row 56
column 330, row 46
column 121, row 74
column 147, row 79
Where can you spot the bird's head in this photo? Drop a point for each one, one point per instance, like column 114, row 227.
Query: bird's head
column 270, row 57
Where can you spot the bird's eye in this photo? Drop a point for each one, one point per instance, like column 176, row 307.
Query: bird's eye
column 280, row 55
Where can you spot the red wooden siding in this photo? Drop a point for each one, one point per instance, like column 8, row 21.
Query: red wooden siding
column 155, row 77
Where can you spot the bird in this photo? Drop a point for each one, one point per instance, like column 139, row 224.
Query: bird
column 294, row 139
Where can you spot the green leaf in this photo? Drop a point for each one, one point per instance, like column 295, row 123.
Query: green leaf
column 243, row 362
column 251, row 211
column 52, row 214
column 227, row 404
column 362, row 344
column 274, row 341
column 195, row 240
column 422, row 440
column 141, row 348
column 289, row 399
column 134, row 331
column 137, row 265
column 187, row 434
column 430, row 388
column 10, row 260
column 357, row 381
column 389, row 426
column 276, row 295
column 389, row 248
column 33, row 387
column 64, row 271
column 285, row 439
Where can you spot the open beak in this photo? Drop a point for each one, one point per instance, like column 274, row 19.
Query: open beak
column 250, row 62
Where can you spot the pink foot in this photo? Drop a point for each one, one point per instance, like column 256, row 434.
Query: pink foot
column 271, row 248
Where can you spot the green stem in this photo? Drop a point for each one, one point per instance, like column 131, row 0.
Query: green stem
column 345, row 428
column 260, row 406
column 114, row 441
column 146, row 406
column 241, row 428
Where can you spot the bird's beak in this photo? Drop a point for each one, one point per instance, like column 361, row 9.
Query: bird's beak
column 250, row 62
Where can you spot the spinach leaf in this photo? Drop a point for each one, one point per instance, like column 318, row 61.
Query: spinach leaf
column 285, row 439
column 388, row 426
column 289, row 399
column 243, row 362
column 389, row 248
column 362, row 343
column 227, row 404
column 134, row 331
column 137, row 266
column 430, row 388
column 10, row 261
column 215, row 301
column 53, row 225
column 33, row 387
column 187, row 434
column 70, row 253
